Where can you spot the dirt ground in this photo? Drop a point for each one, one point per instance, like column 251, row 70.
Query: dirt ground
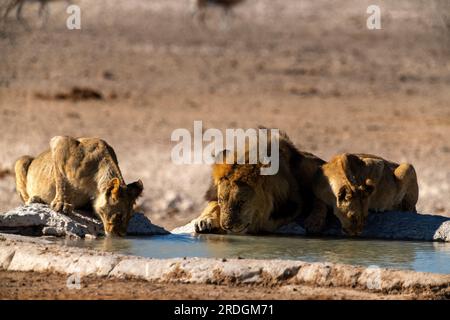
column 311, row 68
column 26, row 285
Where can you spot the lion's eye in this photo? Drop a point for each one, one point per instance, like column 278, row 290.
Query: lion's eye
column 116, row 218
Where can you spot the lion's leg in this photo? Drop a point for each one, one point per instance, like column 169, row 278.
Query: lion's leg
column 35, row 199
column 21, row 171
column 316, row 220
column 209, row 220
column 60, row 147
column 409, row 189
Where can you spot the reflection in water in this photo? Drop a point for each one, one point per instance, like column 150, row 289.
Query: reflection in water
column 419, row 256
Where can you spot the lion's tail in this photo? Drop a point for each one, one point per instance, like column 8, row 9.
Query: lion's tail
column 21, row 169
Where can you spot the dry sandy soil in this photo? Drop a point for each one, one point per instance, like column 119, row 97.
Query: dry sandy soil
column 26, row 285
column 311, row 68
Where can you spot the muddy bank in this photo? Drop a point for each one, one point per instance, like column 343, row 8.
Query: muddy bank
column 50, row 285
column 38, row 255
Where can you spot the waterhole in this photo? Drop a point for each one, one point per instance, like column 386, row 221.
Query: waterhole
column 419, row 256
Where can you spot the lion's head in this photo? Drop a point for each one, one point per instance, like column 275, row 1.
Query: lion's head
column 352, row 206
column 349, row 177
column 240, row 196
column 250, row 201
column 115, row 205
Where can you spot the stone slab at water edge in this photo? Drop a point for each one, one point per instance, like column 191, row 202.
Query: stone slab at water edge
column 387, row 225
column 38, row 219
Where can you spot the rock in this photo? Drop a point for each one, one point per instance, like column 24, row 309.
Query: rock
column 403, row 226
column 172, row 202
column 187, row 228
column 6, row 255
column 292, row 228
column 386, row 225
column 140, row 225
column 24, row 255
column 443, row 232
column 39, row 220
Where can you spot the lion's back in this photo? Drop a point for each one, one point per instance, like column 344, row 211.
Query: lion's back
column 81, row 161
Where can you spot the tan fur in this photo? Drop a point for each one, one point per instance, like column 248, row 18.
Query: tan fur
column 241, row 200
column 21, row 170
column 353, row 184
column 75, row 173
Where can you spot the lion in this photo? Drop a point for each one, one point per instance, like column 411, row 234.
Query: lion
column 353, row 184
column 75, row 173
column 242, row 201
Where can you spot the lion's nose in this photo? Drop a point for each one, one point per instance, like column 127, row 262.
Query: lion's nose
column 230, row 224
column 227, row 225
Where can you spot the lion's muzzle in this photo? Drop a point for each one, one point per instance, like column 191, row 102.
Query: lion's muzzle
column 232, row 222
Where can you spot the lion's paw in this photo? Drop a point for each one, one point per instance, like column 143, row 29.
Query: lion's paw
column 205, row 225
column 35, row 199
column 62, row 207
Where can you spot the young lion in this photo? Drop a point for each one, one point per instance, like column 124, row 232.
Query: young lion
column 353, row 184
column 75, row 173
column 241, row 200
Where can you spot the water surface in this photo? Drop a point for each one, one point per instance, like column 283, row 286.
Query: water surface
column 412, row 255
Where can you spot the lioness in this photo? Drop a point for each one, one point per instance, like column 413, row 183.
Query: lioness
column 75, row 173
column 241, row 200
column 353, row 184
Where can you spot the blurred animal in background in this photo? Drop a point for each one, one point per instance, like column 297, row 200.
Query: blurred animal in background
column 18, row 5
column 442, row 9
column 199, row 8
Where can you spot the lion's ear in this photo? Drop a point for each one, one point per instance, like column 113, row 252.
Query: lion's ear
column 223, row 165
column 219, row 171
column 344, row 194
column 264, row 165
column 113, row 188
column 354, row 162
column 135, row 189
column 369, row 187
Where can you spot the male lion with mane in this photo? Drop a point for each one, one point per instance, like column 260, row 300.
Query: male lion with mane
column 241, row 200
column 353, row 184
column 75, row 173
